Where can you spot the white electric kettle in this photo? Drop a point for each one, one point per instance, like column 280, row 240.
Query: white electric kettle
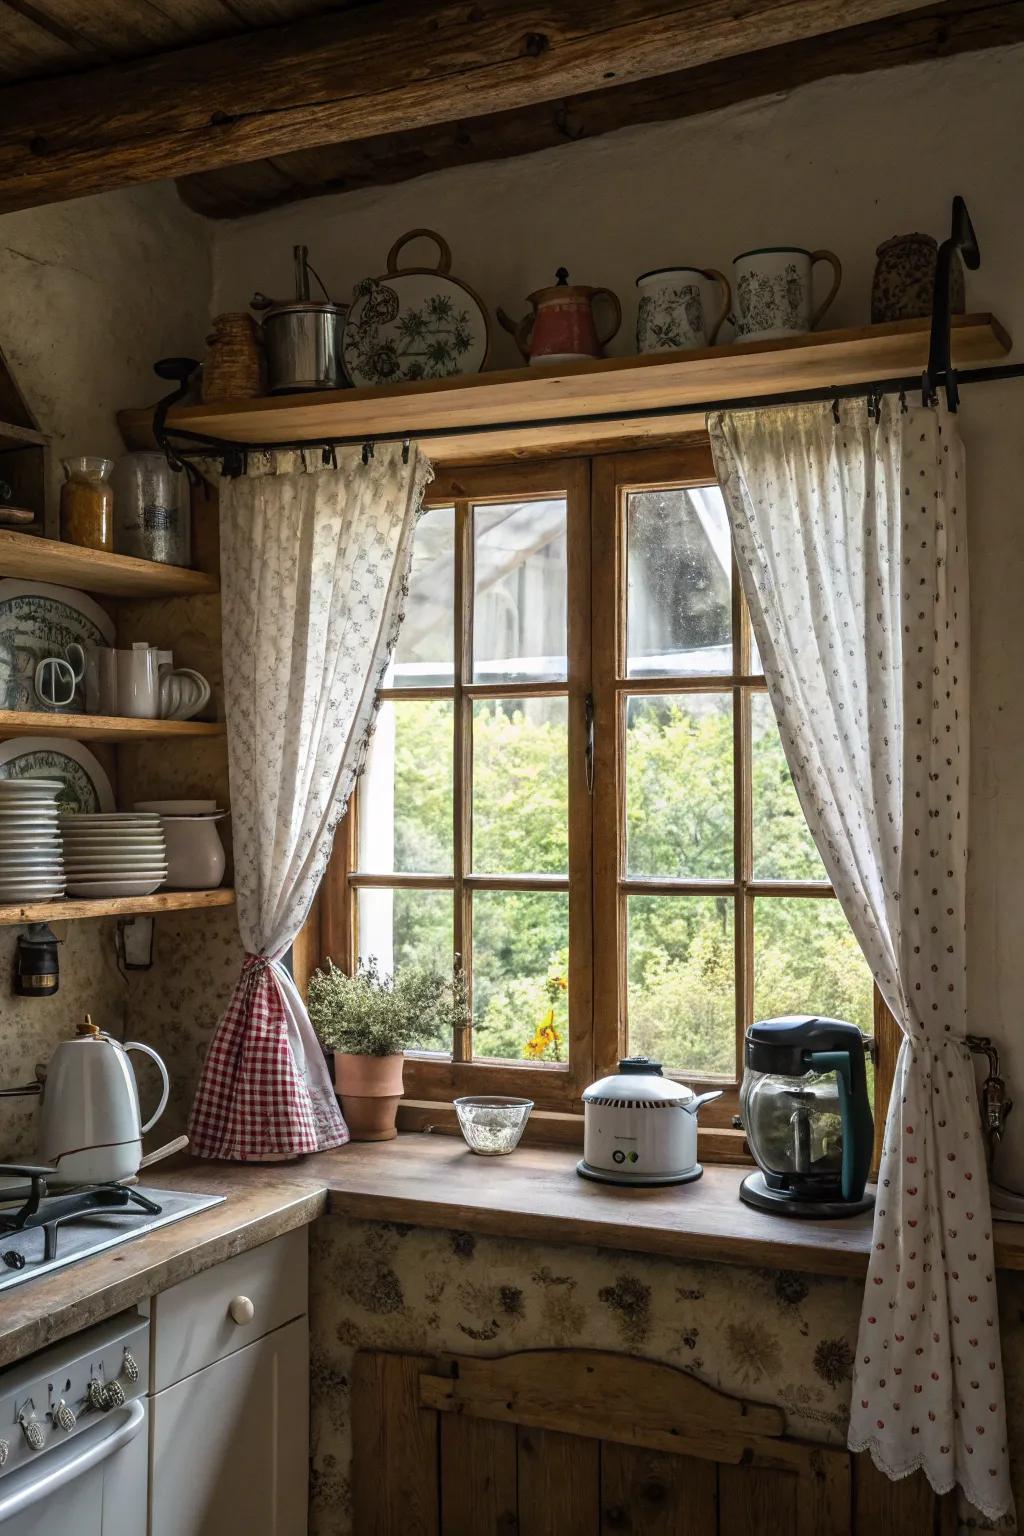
column 91, row 1129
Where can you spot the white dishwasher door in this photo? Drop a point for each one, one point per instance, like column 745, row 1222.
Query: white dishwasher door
column 95, row 1485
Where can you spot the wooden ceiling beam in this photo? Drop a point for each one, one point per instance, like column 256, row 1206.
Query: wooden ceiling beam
column 381, row 67
column 940, row 31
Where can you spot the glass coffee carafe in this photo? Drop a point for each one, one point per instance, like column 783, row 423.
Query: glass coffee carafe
column 805, row 1110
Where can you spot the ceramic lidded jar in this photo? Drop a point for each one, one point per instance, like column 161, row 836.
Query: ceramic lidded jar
column 905, row 278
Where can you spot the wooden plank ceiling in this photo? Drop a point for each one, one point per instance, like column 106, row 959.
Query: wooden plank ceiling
column 251, row 103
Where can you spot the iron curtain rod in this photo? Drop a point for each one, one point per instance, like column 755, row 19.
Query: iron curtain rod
column 179, row 444
column 197, row 445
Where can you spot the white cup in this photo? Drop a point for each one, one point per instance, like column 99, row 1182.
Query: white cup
column 773, row 291
column 680, row 307
column 138, row 683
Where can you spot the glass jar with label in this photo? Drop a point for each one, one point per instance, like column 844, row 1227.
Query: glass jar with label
column 151, row 509
column 87, row 503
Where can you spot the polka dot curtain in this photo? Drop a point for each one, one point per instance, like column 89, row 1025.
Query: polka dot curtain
column 314, row 566
column 850, row 540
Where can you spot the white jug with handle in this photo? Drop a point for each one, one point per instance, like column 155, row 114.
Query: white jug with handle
column 92, row 1129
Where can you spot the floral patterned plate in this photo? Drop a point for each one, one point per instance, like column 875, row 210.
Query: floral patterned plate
column 39, row 620
column 86, row 786
column 414, row 323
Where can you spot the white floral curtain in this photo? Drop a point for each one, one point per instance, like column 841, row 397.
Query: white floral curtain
column 850, row 538
column 314, row 567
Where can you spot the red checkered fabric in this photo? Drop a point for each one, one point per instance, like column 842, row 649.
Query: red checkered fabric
column 252, row 1100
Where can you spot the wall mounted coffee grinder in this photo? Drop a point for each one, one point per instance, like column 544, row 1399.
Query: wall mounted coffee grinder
column 805, row 1110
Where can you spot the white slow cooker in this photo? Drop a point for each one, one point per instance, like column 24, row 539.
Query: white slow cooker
column 640, row 1127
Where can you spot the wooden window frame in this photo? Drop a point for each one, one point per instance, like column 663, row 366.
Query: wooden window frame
column 596, row 489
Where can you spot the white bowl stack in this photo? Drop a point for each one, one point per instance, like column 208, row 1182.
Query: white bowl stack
column 31, row 860
column 122, row 853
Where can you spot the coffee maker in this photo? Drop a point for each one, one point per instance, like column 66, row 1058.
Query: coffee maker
column 805, row 1110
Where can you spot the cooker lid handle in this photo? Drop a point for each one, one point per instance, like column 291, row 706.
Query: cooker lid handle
column 691, row 1106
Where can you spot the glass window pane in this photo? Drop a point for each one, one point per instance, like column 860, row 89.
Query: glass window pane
column 405, row 795
column 520, row 786
column 521, row 975
column 400, row 928
column 806, row 960
column 679, row 607
column 423, row 654
column 679, row 786
column 681, row 980
column 519, row 606
column 783, row 847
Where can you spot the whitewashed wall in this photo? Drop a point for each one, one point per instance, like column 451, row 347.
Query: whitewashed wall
column 91, row 293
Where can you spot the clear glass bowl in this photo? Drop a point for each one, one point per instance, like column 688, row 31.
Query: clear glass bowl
column 492, row 1123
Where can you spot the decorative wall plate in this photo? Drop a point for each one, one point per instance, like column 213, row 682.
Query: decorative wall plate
column 414, row 323
column 86, row 786
column 39, row 620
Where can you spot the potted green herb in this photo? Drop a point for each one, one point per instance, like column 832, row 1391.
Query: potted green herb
column 369, row 1020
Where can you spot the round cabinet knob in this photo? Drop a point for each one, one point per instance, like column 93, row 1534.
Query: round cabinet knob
column 242, row 1309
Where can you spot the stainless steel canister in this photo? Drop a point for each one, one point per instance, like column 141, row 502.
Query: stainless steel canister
column 304, row 345
column 152, row 518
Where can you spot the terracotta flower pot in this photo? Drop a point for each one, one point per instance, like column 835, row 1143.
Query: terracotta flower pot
column 370, row 1088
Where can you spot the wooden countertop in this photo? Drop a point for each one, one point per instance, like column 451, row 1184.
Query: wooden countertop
column 435, row 1181
column 262, row 1203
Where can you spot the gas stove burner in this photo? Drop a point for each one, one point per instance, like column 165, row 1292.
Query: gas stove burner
column 49, row 1212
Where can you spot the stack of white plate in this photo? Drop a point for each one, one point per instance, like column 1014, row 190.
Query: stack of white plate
column 118, row 854
column 31, row 863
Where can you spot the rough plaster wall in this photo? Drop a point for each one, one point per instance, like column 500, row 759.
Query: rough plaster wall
column 92, row 292
column 842, row 163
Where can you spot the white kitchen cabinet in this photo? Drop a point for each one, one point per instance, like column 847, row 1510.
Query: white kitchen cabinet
column 229, row 1414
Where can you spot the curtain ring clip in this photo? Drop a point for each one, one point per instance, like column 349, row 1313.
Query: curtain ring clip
column 329, row 456
column 367, row 451
column 405, row 450
column 904, row 408
column 835, row 410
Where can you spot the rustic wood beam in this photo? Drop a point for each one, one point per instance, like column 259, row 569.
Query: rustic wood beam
column 940, row 31
column 381, row 67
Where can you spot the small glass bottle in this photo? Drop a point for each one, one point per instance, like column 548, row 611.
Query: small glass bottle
column 87, row 503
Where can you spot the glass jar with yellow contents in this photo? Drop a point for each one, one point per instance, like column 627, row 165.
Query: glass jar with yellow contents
column 87, row 503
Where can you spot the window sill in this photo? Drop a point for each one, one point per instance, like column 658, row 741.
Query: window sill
column 435, row 1181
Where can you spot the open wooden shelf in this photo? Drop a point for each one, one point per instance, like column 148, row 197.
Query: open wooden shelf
column 514, row 405
column 23, row 722
column 64, row 908
column 92, row 570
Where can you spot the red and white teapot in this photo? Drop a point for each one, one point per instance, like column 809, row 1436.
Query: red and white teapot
column 561, row 327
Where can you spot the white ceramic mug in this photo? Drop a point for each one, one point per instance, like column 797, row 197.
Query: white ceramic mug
column 680, row 307
column 138, row 683
column 773, row 291
column 57, row 677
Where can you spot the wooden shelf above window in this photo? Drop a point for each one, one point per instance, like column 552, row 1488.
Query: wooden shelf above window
column 17, row 722
column 62, row 910
column 512, row 406
column 93, row 570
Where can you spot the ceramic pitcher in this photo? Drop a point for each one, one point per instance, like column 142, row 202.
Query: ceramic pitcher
column 680, row 307
column 773, row 291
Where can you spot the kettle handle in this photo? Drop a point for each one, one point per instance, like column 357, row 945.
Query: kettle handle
column 136, row 1045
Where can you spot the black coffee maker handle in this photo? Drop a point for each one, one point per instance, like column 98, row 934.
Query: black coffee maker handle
column 858, row 1126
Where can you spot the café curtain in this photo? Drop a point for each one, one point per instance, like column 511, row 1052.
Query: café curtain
column 850, row 539
column 314, row 567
